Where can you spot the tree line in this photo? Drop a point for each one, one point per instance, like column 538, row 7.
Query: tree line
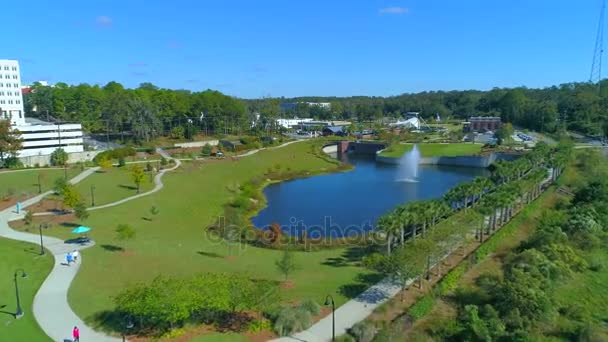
column 522, row 302
column 148, row 111
column 420, row 234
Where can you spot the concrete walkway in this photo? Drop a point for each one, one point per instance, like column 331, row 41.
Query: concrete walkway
column 158, row 183
column 51, row 308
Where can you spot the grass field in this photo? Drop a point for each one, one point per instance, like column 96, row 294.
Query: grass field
column 25, row 183
column 434, row 150
column 112, row 185
column 23, row 255
column 175, row 242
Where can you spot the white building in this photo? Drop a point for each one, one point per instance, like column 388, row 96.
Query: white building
column 290, row 123
column 39, row 139
column 325, row 105
column 11, row 101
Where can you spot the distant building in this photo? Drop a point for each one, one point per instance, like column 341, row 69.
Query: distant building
column 291, row 123
column 11, row 100
column 286, row 106
column 39, row 138
column 334, row 130
column 482, row 124
column 412, row 121
column 325, row 105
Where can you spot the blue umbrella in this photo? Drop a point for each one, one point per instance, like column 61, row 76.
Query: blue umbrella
column 80, row 230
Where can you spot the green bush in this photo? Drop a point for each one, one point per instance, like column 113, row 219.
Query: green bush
column 363, row 331
column 116, row 153
column 311, row 306
column 422, row 307
column 292, row 320
column 59, row 157
column 450, row 281
column 259, row 325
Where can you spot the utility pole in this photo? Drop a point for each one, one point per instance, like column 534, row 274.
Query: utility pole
column 596, row 65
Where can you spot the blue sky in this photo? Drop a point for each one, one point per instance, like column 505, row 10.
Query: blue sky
column 295, row 48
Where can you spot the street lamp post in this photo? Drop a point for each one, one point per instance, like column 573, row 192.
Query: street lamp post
column 330, row 300
column 128, row 325
column 92, row 195
column 40, row 226
column 19, row 312
column 39, row 185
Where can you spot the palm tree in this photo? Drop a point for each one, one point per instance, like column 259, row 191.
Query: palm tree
column 482, row 184
column 386, row 224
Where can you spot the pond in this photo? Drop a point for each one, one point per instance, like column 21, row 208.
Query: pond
column 348, row 203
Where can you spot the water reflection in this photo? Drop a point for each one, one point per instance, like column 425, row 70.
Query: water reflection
column 342, row 204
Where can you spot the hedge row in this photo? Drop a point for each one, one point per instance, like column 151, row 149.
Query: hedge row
column 450, row 281
column 116, row 153
column 422, row 307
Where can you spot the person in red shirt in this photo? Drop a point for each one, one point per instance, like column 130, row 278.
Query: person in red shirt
column 76, row 334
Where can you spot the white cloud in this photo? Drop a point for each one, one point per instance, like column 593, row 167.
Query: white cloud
column 394, row 10
column 103, row 21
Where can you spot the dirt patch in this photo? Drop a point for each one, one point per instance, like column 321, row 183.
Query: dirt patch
column 52, row 220
column 12, row 201
column 288, row 285
column 46, row 205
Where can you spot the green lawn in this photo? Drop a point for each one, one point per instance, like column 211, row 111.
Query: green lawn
column 25, row 183
column 112, row 185
column 23, row 255
column 175, row 243
column 434, row 150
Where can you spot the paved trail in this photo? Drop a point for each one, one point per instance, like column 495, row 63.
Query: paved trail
column 51, row 308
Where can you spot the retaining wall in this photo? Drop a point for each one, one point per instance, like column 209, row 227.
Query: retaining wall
column 73, row 157
column 198, row 143
column 464, row 161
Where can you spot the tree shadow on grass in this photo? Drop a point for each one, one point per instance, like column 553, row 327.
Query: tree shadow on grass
column 351, row 256
column 209, row 254
column 364, row 282
column 112, row 248
column 6, row 312
column 130, row 187
column 108, row 321
column 69, row 224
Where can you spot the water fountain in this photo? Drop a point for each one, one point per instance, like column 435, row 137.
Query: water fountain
column 408, row 166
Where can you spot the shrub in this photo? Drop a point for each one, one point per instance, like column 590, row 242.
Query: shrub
column 59, row 157
column 363, row 331
column 13, row 163
column 259, row 325
column 422, row 307
column 115, row 153
column 121, row 162
column 206, row 150
column 125, row 232
column 292, row 320
column 449, row 282
column 28, row 218
column 311, row 306
column 60, row 185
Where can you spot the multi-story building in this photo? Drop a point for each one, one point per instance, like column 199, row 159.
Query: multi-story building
column 11, row 101
column 39, row 138
column 482, row 124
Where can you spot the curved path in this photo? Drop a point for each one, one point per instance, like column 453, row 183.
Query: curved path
column 158, row 184
column 51, row 308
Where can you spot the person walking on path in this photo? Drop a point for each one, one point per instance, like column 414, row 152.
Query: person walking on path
column 76, row 335
column 75, row 255
column 68, row 258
